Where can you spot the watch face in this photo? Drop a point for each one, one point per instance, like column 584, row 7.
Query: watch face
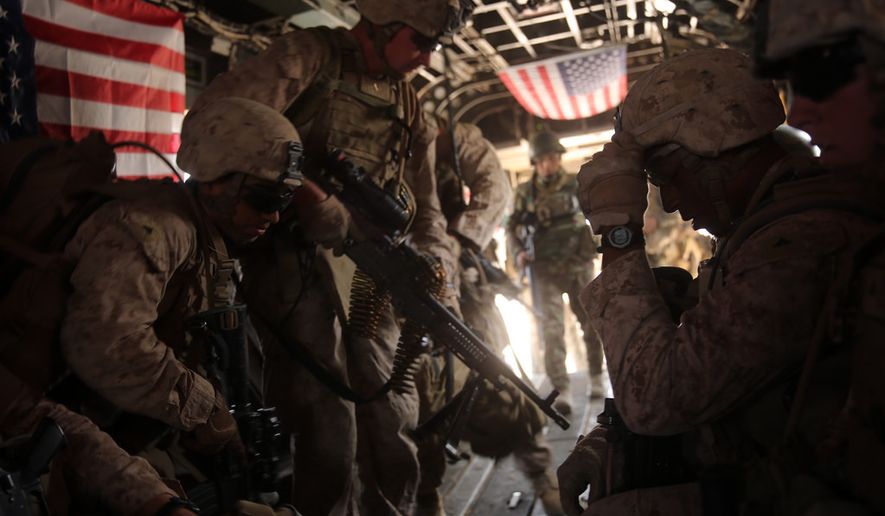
column 620, row 237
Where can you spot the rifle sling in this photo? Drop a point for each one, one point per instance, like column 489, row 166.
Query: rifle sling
column 300, row 353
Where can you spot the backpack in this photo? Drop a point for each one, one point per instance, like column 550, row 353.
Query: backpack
column 47, row 189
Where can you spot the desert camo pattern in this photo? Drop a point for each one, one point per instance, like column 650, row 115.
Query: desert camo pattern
column 92, row 462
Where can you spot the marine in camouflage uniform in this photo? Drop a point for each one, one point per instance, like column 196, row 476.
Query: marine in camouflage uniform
column 833, row 54
column 474, row 197
column 147, row 261
column 560, row 253
column 91, row 465
column 703, row 129
column 345, row 89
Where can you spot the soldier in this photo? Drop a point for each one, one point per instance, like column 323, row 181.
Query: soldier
column 92, row 464
column 703, row 129
column 560, row 251
column 474, row 193
column 833, row 54
column 157, row 255
column 345, row 89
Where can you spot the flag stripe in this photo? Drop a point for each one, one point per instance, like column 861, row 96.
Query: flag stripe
column 85, row 87
column 94, row 21
column 524, row 101
column 141, row 12
column 101, row 115
column 144, row 164
column 533, row 93
column 566, row 103
column 163, row 142
column 577, row 85
column 545, row 80
column 108, row 45
column 104, row 67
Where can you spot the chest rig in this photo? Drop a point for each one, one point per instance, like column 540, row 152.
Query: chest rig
column 369, row 118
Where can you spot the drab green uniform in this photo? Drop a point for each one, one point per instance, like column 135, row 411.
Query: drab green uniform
column 563, row 263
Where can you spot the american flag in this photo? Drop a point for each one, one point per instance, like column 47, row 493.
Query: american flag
column 573, row 86
column 111, row 65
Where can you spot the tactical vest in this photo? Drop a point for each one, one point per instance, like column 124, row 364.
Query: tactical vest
column 560, row 231
column 369, row 118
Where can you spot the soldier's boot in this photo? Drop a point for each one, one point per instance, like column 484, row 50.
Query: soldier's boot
column 597, row 388
column 547, row 490
column 563, row 402
column 430, row 504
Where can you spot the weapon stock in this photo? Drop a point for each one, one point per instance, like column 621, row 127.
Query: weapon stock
column 397, row 268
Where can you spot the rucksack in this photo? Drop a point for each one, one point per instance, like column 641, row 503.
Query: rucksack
column 47, row 189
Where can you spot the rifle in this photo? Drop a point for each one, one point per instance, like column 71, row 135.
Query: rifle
column 397, row 268
column 259, row 428
column 18, row 489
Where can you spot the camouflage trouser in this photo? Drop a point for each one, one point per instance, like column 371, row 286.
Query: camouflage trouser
column 532, row 457
column 349, row 458
column 549, row 284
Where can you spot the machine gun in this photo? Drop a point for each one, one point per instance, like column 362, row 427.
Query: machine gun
column 400, row 270
column 259, row 428
column 20, row 489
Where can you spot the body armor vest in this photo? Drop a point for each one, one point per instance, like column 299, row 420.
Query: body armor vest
column 369, row 118
column 560, row 231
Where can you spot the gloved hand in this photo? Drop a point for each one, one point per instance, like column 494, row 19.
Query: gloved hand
column 218, row 432
column 321, row 216
column 247, row 508
column 585, row 466
column 612, row 187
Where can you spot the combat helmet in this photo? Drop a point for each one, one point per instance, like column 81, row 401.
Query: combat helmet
column 545, row 142
column 706, row 101
column 794, row 25
column 432, row 18
column 818, row 43
column 703, row 102
column 239, row 135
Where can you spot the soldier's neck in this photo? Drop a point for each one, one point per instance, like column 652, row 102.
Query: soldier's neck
column 371, row 63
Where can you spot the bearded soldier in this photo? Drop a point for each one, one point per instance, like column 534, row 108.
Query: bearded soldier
column 548, row 235
column 328, row 359
column 833, row 54
column 703, row 129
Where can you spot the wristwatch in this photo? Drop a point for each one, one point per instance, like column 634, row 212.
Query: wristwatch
column 175, row 503
column 619, row 237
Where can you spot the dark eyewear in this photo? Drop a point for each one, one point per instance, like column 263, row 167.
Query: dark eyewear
column 266, row 199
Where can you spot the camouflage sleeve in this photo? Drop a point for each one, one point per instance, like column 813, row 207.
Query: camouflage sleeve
column 125, row 258
column 276, row 76
column 668, row 377
column 429, row 231
column 489, row 187
column 122, row 482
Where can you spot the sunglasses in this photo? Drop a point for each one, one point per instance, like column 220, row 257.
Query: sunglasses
column 266, row 199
